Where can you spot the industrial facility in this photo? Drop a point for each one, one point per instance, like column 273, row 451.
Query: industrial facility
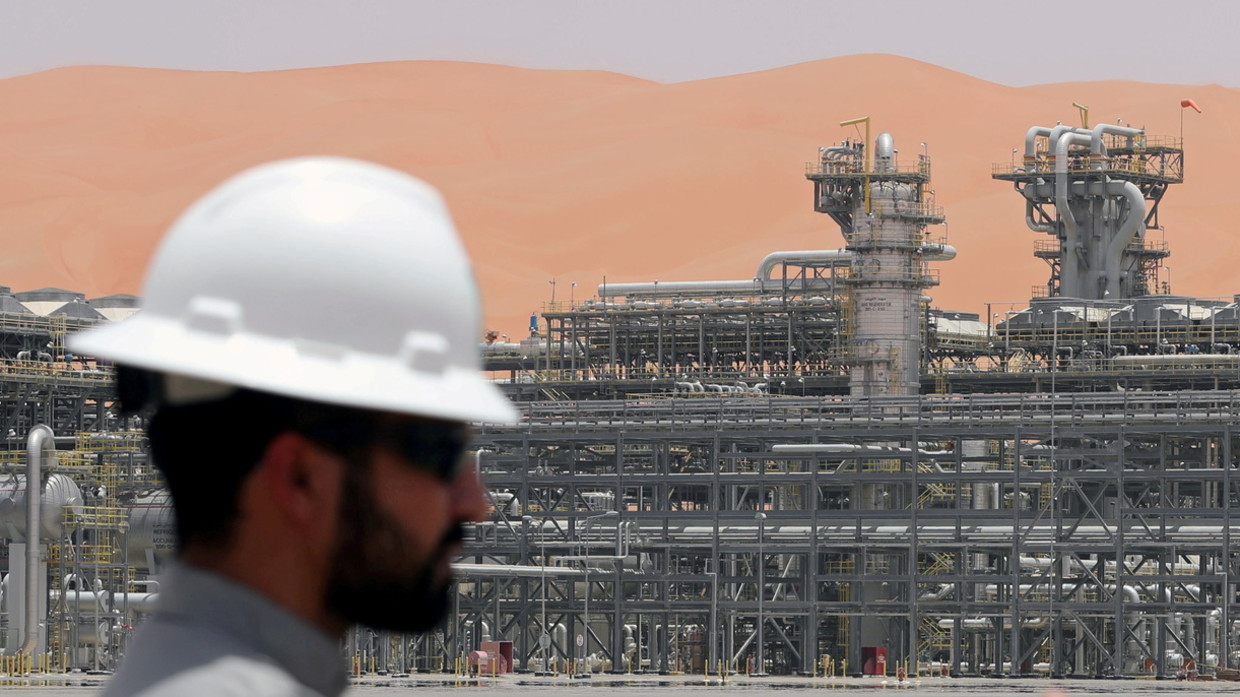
column 814, row 469
column 809, row 470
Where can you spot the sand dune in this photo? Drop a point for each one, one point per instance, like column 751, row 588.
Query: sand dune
column 576, row 175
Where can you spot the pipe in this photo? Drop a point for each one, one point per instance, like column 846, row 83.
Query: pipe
column 1058, row 132
column 837, row 152
column 1031, row 138
column 1097, row 149
column 1053, row 134
column 945, row 589
column 1047, row 228
column 972, row 623
column 836, row 257
column 1071, row 258
column 854, row 448
column 660, row 289
column 754, row 286
column 1133, row 222
column 757, row 284
column 39, row 439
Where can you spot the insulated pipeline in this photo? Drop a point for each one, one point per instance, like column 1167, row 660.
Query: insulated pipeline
column 39, row 440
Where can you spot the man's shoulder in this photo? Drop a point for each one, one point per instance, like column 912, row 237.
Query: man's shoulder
column 170, row 660
column 225, row 677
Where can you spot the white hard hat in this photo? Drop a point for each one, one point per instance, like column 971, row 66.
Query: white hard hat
column 324, row 279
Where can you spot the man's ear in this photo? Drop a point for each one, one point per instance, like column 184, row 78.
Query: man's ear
column 300, row 479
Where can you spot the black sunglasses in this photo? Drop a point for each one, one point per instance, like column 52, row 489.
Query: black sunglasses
column 437, row 447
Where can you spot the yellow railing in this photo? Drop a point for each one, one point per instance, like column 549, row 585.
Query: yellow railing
column 936, row 492
column 940, row 563
column 882, row 465
column 54, row 370
column 95, row 554
column 1138, row 164
column 839, row 566
column 66, row 459
column 110, row 442
column 97, row 516
column 933, row 637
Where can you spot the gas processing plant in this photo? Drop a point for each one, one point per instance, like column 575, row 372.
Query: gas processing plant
column 810, row 469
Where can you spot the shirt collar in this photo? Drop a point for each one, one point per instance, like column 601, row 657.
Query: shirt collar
column 308, row 653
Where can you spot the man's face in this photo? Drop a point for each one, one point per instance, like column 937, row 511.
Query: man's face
column 399, row 528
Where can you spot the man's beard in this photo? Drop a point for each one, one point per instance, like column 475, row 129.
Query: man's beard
column 377, row 579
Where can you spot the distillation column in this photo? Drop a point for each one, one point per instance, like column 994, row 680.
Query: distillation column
column 882, row 209
column 1087, row 188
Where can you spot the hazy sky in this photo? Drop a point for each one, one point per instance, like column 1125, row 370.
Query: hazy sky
column 1016, row 43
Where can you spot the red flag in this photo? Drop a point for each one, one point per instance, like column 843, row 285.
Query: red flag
column 1186, row 103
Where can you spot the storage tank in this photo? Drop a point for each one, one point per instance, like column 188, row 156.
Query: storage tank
column 45, row 301
column 115, row 307
column 152, row 529
column 59, row 493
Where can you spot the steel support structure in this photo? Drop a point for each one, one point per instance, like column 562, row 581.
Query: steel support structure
column 1083, row 535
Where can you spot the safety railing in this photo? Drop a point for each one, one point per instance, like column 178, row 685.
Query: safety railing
column 923, row 276
column 1121, row 143
column 97, row 517
column 775, row 412
column 121, row 441
column 1123, row 165
column 1147, row 246
column 907, row 209
column 855, row 169
column 18, row 323
column 1046, row 246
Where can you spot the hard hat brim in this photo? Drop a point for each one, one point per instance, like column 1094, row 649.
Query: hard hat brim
column 281, row 366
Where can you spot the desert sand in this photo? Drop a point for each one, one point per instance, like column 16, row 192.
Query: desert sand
column 578, row 175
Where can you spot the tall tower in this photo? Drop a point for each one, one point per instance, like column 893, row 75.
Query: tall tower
column 1087, row 188
column 882, row 207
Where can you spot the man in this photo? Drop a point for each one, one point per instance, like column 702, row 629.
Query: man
column 308, row 346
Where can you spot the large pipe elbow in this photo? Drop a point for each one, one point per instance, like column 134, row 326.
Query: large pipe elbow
column 1070, row 260
column 1096, row 147
column 837, row 152
column 1034, row 225
column 1134, row 220
column 1058, row 132
column 1031, row 140
column 39, row 440
column 834, row 257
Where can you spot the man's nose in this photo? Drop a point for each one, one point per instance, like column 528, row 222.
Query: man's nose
column 469, row 498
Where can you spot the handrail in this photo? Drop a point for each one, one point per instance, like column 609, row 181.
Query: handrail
column 854, row 169
column 1002, row 410
column 1123, row 165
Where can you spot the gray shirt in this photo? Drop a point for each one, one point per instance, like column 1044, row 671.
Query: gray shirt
column 211, row 636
